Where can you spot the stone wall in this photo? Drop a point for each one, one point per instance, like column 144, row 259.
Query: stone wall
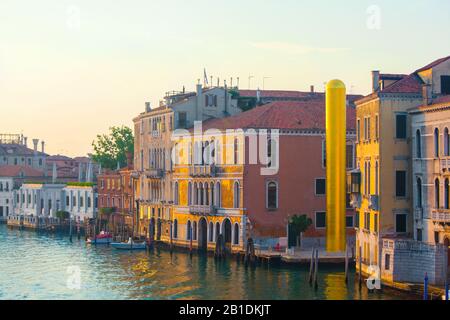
column 411, row 260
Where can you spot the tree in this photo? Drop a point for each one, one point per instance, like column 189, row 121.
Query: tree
column 62, row 215
column 299, row 224
column 112, row 148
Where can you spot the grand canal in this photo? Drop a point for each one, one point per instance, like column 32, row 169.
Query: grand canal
column 38, row 266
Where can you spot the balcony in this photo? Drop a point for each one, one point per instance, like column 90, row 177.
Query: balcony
column 374, row 202
column 154, row 173
column 202, row 171
column 355, row 200
column 445, row 165
column 441, row 215
column 202, row 210
column 418, row 213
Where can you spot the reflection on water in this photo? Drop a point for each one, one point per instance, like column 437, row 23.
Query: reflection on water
column 34, row 266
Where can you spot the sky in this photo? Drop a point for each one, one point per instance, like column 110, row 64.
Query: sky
column 69, row 70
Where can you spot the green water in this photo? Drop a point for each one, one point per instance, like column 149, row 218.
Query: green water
column 35, row 266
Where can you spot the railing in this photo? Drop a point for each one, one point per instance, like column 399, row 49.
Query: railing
column 445, row 165
column 355, row 200
column 202, row 210
column 374, row 202
column 154, row 173
column 202, row 171
column 418, row 213
column 441, row 215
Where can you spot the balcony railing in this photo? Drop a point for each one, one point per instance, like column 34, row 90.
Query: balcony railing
column 374, row 202
column 202, row 210
column 418, row 213
column 445, row 165
column 154, row 173
column 355, row 200
column 202, row 171
column 441, row 215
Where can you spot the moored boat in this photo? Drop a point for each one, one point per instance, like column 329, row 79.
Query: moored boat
column 102, row 238
column 130, row 245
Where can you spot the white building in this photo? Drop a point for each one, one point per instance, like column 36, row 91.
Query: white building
column 80, row 201
column 6, row 197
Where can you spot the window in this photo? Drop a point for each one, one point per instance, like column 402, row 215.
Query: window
column 445, row 84
column 320, row 187
column 419, row 193
column 377, row 178
column 357, row 220
column 211, row 232
column 367, row 221
column 194, row 230
column 377, row 127
column 419, row 235
column 236, row 234
column 446, row 195
column 188, row 230
column 347, row 201
column 358, row 130
column 400, row 184
column 272, row 195
column 321, row 220
column 236, row 151
column 436, row 237
column 175, row 228
column 400, row 223
column 218, row 192
column 418, row 144
column 176, row 193
column 387, row 262
column 237, row 200
column 437, row 197
column 446, row 143
column 324, row 154
column 182, row 120
column 349, row 156
column 375, row 222
column 349, row 221
column 400, row 120
column 436, row 143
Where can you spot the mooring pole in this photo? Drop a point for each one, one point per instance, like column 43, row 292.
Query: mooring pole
column 346, row 264
column 360, row 266
column 70, row 228
column 425, row 287
column 311, row 267
column 316, row 269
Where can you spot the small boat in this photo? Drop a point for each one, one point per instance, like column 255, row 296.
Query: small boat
column 102, row 238
column 130, row 245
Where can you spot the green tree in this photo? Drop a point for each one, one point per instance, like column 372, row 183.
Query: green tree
column 112, row 148
column 299, row 224
column 62, row 215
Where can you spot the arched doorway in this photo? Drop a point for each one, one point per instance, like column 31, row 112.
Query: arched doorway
column 226, row 229
column 447, row 244
column 202, row 235
column 158, row 230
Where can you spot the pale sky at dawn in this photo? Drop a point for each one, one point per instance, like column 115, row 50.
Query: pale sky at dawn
column 71, row 69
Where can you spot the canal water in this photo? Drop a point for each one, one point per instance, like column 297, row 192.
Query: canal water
column 42, row 266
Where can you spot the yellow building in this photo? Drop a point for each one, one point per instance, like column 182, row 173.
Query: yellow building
column 208, row 179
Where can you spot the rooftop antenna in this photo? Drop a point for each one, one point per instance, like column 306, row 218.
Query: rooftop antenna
column 249, row 80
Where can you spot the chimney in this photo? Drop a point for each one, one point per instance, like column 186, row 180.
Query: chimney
column 375, row 81
column 43, row 146
column 312, row 89
column 25, row 142
column 148, row 107
column 427, row 94
column 35, row 144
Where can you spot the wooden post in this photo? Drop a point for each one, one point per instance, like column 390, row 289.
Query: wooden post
column 360, row 266
column 316, row 269
column 346, row 264
column 311, row 267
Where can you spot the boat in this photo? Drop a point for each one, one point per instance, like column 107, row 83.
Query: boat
column 130, row 245
column 102, row 238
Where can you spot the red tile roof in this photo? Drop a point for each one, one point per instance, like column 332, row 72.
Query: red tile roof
column 17, row 171
column 433, row 64
column 409, row 84
column 294, row 115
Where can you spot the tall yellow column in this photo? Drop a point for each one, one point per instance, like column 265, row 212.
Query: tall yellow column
column 336, row 115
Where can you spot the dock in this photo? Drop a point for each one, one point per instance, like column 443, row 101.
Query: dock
column 304, row 257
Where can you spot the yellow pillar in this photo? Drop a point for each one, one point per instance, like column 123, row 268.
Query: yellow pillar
column 336, row 115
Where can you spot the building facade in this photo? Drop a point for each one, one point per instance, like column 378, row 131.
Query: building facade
column 14, row 151
column 382, row 184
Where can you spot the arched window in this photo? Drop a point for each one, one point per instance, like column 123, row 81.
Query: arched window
column 446, row 143
column 190, row 193
column 218, row 195
column 175, row 228
column 211, row 232
column 272, row 153
column 206, row 194
column 195, row 194
column 418, row 144
column 272, row 195
column 213, row 200
column 176, row 193
column 437, row 199
column 188, row 230
column 236, row 234
column 236, row 151
column 202, row 194
column 194, row 230
column 419, row 193
column 217, row 230
column 207, row 153
column 446, row 195
column 236, row 193
column 436, row 143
